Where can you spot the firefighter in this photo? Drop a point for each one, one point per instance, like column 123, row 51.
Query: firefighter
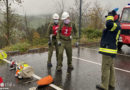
column 51, row 33
column 108, row 49
column 67, row 29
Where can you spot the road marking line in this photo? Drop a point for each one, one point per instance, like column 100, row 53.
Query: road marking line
column 51, row 85
column 7, row 61
column 98, row 50
column 99, row 64
column 37, row 77
column 96, row 62
column 4, row 88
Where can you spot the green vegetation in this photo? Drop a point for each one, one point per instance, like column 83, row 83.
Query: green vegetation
column 23, row 46
column 26, row 32
column 90, row 35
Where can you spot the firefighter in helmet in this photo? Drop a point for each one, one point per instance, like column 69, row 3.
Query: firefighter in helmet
column 108, row 49
column 66, row 31
column 51, row 33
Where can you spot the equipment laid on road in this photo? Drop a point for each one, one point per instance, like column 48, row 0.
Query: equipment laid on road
column 1, row 82
column 45, row 80
column 23, row 70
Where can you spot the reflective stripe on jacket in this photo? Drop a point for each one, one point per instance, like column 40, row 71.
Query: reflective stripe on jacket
column 110, row 36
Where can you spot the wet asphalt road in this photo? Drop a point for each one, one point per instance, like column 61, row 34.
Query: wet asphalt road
column 84, row 76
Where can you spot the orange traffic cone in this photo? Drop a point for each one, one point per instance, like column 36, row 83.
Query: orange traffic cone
column 45, row 81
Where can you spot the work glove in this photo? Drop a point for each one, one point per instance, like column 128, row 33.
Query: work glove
column 71, row 37
column 49, row 43
column 76, row 44
column 59, row 43
column 51, row 36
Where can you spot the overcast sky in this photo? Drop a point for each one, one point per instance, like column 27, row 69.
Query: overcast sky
column 37, row 7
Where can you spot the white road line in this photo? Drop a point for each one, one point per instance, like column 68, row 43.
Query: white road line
column 4, row 88
column 51, row 85
column 7, row 61
column 56, row 87
column 100, row 64
column 37, row 77
column 86, row 60
column 97, row 51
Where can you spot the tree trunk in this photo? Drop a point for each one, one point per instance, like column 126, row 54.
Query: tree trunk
column 7, row 24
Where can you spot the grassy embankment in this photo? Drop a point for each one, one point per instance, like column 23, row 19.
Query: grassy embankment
column 87, row 36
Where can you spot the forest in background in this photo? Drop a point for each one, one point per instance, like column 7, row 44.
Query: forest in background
column 24, row 32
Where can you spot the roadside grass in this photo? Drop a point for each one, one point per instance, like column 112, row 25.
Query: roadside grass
column 24, row 46
column 87, row 36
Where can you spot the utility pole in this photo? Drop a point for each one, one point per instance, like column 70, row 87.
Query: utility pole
column 80, row 19
column 80, row 23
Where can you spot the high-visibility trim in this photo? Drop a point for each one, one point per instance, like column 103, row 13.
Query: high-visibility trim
column 106, row 50
column 25, row 65
column 3, row 55
column 117, row 36
column 110, row 18
column 114, row 27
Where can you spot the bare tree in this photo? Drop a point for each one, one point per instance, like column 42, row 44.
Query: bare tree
column 9, row 14
column 96, row 14
column 27, row 29
column 59, row 6
column 90, row 14
column 74, row 11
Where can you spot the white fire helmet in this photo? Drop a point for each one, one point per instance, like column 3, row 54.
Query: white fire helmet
column 65, row 15
column 55, row 16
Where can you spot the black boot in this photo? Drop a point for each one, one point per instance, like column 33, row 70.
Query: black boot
column 58, row 68
column 111, row 88
column 70, row 67
column 99, row 87
column 49, row 65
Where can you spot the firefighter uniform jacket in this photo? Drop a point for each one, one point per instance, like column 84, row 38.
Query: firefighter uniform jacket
column 66, row 31
column 52, row 29
column 109, row 40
